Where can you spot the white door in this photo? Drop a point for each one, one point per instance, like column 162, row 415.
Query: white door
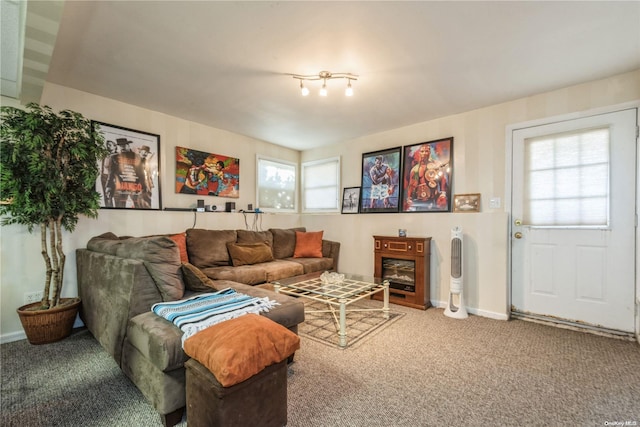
column 573, row 220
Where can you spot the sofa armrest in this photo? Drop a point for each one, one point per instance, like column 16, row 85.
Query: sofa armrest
column 112, row 290
column 331, row 250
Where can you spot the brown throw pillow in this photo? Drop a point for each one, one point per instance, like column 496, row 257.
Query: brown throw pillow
column 237, row 349
column 249, row 253
column 208, row 248
column 308, row 245
column 195, row 280
column 284, row 241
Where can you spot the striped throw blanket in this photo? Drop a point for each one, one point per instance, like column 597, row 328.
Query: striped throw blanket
column 194, row 314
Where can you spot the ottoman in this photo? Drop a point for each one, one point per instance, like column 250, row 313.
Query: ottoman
column 237, row 374
column 259, row 401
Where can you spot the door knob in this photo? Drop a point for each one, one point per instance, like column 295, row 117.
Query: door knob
column 518, row 235
column 518, row 222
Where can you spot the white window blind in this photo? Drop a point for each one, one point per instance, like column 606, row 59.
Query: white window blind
column 321, row 185
column 276, row 185
column 567, row 179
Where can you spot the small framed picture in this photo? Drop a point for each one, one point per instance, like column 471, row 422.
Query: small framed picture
column 466, row 202
column 350, row 200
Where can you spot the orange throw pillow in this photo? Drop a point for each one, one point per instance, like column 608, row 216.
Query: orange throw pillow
column 237, row 349
column 308, row 244
column 181, row 242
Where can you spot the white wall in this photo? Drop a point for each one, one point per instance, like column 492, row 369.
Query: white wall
column 21, row 266
column 479, row 167
column 479, row 161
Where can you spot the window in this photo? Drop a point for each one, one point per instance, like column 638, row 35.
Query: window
column 276, row 185
column 321, row 185
column 567, row 179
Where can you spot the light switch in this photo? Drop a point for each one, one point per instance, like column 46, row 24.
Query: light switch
column 494, row 203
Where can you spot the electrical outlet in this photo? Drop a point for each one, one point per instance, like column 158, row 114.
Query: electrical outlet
column 31, row 297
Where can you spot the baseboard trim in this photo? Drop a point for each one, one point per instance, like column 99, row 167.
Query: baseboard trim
column 475, row 311
column 20, row 335
column 579, row 327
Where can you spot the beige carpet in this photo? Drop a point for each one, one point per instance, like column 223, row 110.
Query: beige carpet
column 424, row 369
column 320, row 324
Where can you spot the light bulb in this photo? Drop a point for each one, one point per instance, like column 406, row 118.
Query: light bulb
column 323, row 89
column 303, row 89
column 349, row 90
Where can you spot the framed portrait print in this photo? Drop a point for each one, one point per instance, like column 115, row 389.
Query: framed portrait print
column 466, row 202
column 350, row 200
column 426, row 176
column 207, row 174
column 130, row 174
column 380, row 191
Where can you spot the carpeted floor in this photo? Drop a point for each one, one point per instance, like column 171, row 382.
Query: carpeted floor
column 424, row 369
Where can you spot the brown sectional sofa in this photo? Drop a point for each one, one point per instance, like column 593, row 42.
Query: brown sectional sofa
column 209, row 251
column 119, row 279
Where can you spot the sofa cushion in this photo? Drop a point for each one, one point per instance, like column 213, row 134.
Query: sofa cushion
column 308, row 244
column 195, row 280
column 158, row 340
column 248, row 236
column 281, row 269
column 181, row 242
column 311, row 265
column 249, row 253
column 248, row 274
column 208, row 248
column 284, row 241
column 161, row 256
column 106, row 243
column 237, row 349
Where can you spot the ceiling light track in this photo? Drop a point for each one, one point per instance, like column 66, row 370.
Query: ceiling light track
column 324, row 76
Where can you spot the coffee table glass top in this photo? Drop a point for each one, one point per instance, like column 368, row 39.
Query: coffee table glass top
column 352, row 285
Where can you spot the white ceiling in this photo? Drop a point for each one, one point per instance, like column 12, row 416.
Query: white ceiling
column 228, row 64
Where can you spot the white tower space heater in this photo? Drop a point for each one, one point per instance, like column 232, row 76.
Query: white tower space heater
column 455, row 304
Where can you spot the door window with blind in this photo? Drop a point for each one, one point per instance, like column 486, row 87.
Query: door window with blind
column 566, row 179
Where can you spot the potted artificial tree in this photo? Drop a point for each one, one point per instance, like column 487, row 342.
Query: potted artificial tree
column 47, row 179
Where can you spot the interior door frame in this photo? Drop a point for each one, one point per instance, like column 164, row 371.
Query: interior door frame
column 510, row 129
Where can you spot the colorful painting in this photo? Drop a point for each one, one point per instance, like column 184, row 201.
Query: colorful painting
column 428, row 168
column 380, row 181
column 207, row 174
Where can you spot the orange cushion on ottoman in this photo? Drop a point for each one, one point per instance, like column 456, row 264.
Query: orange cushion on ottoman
column 237, row 349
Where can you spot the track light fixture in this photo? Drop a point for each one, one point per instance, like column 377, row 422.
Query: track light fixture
column 324, row 76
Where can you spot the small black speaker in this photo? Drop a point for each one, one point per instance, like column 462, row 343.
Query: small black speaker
column 230, row 206
column 200, row 205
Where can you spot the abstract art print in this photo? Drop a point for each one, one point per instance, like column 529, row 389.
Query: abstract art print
column 426, row 177
column 130, row 174
column 380, row 181
column 207, row 174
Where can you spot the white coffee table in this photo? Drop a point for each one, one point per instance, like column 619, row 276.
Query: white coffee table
column 353, row 288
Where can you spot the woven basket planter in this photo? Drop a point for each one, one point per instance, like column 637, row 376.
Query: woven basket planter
column 47, row 326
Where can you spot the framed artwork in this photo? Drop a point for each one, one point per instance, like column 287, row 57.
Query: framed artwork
column 466, row 202
column 426, row 177
column 207, row 174
column 380, row 191
column 130, row 174
column 350, row 200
